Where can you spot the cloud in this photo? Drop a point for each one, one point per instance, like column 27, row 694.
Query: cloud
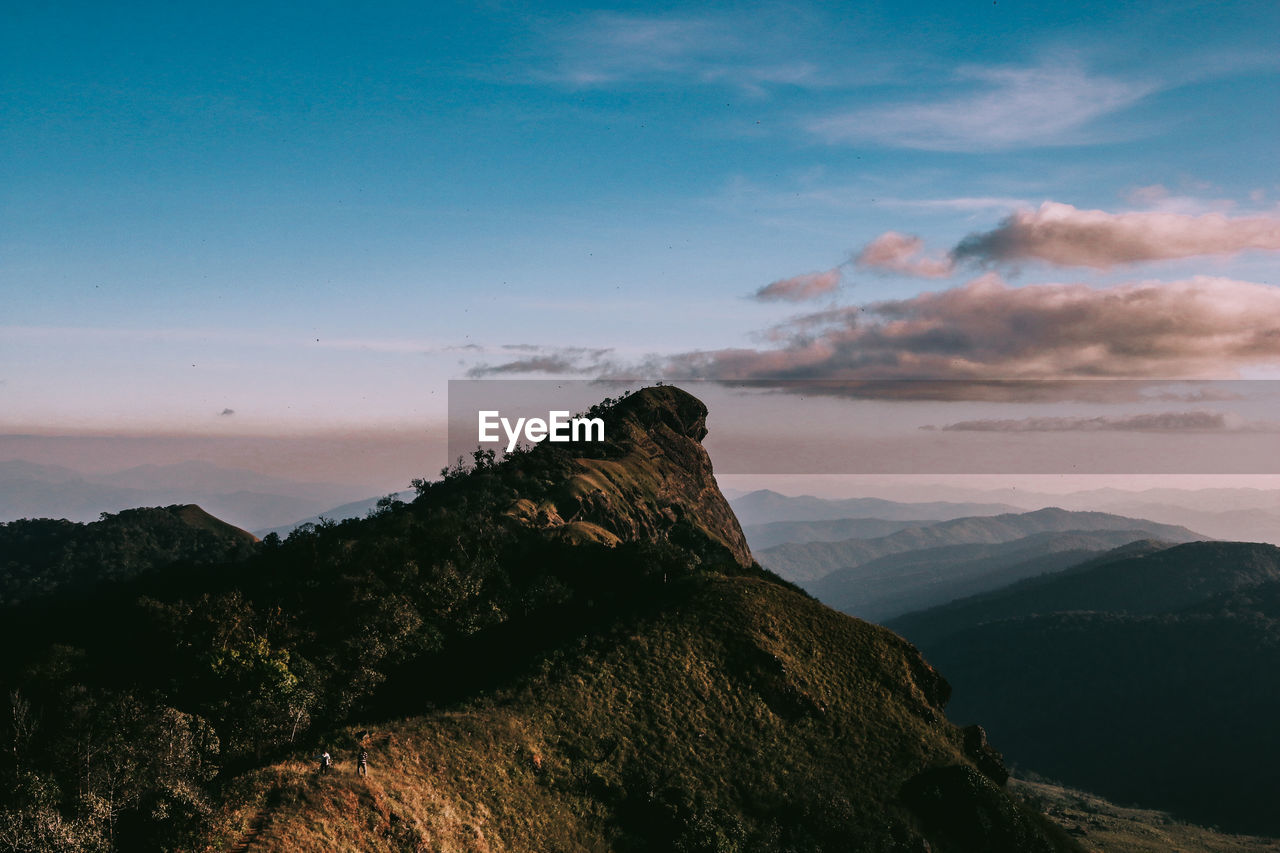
column 1161, row 422
column 1159, row 198
column 609, row 48
column 1066, row 236
column 902, row 253
column 985, row 340
column 1045, row 105
column 562, row 360
column 963, row 204
column 985, row 330
column 801, row 287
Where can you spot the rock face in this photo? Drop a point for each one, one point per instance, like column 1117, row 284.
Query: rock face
column 984, row 756
column 963, row 809
column 651, row 480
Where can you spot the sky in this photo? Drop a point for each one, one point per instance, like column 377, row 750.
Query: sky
column 280, row 220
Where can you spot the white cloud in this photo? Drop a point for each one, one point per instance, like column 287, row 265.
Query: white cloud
column 609, row 48
column 1048, row 104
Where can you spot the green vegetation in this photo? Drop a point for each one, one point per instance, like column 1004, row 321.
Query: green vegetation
column 42, row 556
column 576, row 647
column 1146, row 679
column 725, row 718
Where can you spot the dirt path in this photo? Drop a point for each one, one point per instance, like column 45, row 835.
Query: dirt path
column 258, row 823
column 251, row 834
column 250, row 837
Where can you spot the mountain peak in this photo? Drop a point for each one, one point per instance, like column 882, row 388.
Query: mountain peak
column 660, row 408
column 652, row 480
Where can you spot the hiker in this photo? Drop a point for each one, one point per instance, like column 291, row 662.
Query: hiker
column 326, row 762
column 362, row 762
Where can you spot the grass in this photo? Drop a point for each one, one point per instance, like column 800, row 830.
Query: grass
column 743, row 716
column 1109, row 828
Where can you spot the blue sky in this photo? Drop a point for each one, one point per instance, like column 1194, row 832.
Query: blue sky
column 312, row 216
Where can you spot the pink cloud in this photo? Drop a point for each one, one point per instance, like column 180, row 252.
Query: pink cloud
column 1197, row 328
column 902, row 253
column 801, row 287
column 1066, row 236
column 1199, row 421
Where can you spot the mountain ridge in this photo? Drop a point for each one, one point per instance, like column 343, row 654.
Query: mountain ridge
column 808, row 562
column 696, row 701
column 1143, row 677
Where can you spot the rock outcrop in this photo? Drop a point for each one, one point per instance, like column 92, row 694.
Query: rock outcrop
column 650, row 479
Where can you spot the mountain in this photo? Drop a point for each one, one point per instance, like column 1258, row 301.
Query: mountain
column 769, row 534
column 571, row 648
column 1143, row 578
column 43, row 556
column 704, row 725
column 1235, row 514
column 18, row 470
column 1143, row 677
column 1103, row 825
column 913, row 580
column 354, row 509
column 1241, row 525
column 764, row 505
column 806, row 563
column 245, row 498
column 214, row 479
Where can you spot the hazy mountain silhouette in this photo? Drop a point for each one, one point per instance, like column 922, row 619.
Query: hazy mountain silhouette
column 807, row 562
column 354, row 509
column 245, row 498
column 1235, row 514
column 912, row 580
column 769, row 534
column 764, row 506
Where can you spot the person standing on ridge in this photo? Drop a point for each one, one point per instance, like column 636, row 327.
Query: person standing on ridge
column 362, row 762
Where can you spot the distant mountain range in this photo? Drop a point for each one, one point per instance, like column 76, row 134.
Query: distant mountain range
column 1147, row 675
column 244, row 498
column 807, row 562
column 773, row 533
column 764, row 506
column 1236, row 514
column 354, row 509
column 900, row 583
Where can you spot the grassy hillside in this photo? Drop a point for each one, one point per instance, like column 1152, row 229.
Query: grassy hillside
column 738, row 716
column 1108, row 828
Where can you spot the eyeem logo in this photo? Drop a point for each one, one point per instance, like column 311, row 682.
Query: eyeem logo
column 557, row 427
